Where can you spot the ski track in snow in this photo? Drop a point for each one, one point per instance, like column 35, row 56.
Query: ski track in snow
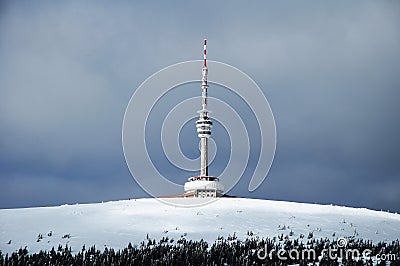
column 115, row 224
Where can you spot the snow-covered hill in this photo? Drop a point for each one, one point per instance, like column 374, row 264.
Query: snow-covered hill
column 115, row 224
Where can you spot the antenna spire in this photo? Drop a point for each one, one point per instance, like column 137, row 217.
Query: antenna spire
column 204, row 85
column 205, row 53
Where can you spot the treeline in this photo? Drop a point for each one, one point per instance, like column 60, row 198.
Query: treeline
column 229, row 251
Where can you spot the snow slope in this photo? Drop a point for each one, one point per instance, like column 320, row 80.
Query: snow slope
column 115, row 224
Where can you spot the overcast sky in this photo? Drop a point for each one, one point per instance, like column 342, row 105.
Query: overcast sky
column 329, row 69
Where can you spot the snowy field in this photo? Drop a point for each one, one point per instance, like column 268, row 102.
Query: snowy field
column 115, row 224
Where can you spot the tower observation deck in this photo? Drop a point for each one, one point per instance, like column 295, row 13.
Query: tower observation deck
column 204, row 185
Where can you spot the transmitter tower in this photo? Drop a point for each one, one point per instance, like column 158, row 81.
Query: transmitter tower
column 204, row 185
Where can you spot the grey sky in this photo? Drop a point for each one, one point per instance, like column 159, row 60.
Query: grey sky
column 330, row 70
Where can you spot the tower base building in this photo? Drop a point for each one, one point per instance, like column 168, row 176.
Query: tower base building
column 204, row 186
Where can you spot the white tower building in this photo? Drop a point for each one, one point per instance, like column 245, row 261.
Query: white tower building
column 204, row 185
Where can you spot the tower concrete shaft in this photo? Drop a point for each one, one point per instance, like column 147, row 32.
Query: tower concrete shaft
column 204, row 157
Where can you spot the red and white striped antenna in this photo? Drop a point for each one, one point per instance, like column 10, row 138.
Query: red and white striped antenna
column 204, row 78
column 205, row 53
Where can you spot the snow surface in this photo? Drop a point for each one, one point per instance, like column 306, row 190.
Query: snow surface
column 115, row 224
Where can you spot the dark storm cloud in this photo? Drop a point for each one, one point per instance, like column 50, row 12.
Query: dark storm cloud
column 330, row 72
column 333, row 88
